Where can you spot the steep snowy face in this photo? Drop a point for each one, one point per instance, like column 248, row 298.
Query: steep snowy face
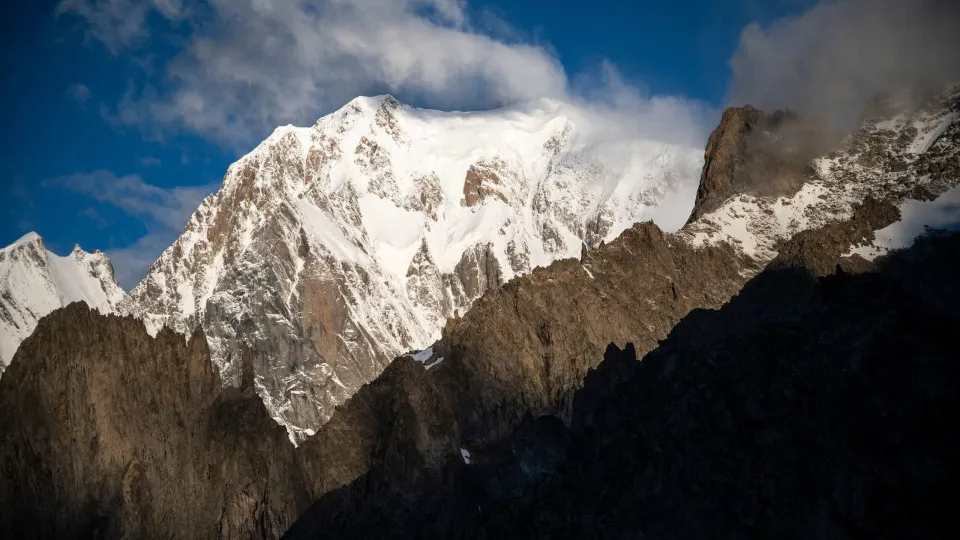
column 911, row 159
column 34, row 282
column 331, row 249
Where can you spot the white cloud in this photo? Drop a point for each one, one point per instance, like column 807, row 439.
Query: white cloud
column 119, row 23
column 836, row 57
column 164, row 213
column 79, row 92
column 250, row 65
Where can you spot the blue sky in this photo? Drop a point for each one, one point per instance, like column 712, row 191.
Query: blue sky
column 120, row 115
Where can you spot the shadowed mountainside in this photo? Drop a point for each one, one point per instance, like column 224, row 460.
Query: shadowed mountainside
column 107, row 432
column 807, row 407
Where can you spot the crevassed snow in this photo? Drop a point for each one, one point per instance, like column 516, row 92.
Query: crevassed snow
column 34, row 282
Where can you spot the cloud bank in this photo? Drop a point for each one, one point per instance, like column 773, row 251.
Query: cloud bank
column 242, row 67
column 834, row 60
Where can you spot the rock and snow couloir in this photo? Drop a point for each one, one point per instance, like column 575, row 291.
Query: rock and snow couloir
column 332, row 249
column 34, row 282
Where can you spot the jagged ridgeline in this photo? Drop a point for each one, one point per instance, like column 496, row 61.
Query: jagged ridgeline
column 512, row 424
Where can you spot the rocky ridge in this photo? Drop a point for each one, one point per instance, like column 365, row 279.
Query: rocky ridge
column 805, row 407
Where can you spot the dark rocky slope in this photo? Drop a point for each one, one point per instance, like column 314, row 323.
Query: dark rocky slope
column 808, row 407
column 106, row 432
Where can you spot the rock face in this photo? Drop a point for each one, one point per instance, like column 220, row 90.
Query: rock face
column 109, row 433
column 887, row 160
column 752, row 153
column 34, row 282
column 332, row 249
column 526, row 347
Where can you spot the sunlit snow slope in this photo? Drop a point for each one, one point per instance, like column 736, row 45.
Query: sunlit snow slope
column 34, row 282
column 331, row 249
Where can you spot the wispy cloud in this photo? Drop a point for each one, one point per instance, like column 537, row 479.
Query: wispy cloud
column 832, row 60
column 79, row 92
column 164, row 212
column 248, row 66
column 119, row 24
column 151, row 161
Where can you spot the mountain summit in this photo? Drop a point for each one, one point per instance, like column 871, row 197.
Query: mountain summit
column 34, row 282
column 332, row 249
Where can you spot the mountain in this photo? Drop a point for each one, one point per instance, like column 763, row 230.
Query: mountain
column 34, row 282
column 811, row 404
column 791, row 386
column 332, row 249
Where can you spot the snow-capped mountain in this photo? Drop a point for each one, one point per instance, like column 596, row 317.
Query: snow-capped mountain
column 331, row 249
column 910, row 159
column 34, row 282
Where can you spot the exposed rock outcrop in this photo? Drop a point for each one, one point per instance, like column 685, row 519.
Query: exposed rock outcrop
column 752, row 153
column 107, row 432
column 483, row 182
column 400, row 428
column 525, row 347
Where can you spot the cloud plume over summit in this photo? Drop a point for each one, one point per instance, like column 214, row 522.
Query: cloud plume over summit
column 242, row 67
column 833, row 60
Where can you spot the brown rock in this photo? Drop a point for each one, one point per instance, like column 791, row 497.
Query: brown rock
column 527, row 346
column 107, row 432
column 755, row 154
column 482, row 182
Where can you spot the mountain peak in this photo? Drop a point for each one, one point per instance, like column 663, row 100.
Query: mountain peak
column 364, row 232
column 35, row 281
column 374, row 102
column 28, row 238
